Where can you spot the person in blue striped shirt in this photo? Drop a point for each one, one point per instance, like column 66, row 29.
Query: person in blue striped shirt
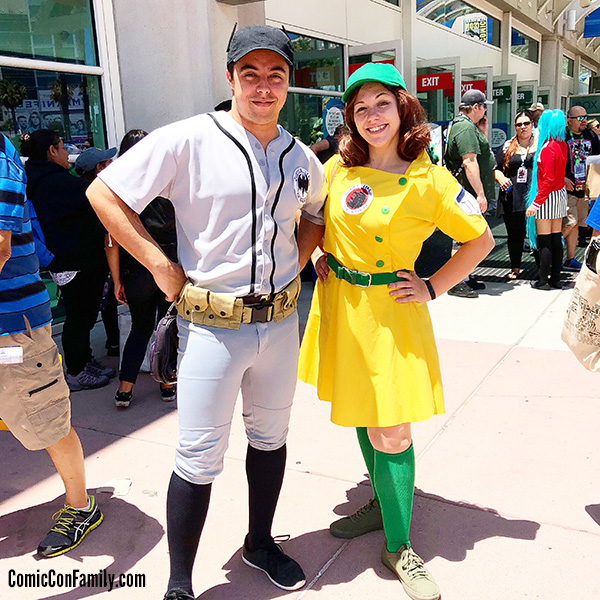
column 34, row 398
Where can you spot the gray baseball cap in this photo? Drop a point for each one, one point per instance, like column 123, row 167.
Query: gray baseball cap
column 259, row 37
column 472, row 97
column 89, row 158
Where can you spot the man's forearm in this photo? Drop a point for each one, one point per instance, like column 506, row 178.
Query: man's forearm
column 309, row 236
column 5, row 236
column 474, row 177
column 124, row 226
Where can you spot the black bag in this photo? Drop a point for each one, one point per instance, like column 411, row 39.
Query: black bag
column 163, row 350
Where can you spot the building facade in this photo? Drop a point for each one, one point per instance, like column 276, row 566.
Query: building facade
column 92, row 69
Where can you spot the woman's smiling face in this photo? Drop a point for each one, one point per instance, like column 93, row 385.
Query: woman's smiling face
column 376, row 115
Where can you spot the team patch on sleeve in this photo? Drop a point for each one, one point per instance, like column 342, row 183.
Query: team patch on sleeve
column 467, row 202
column 301, row 184
column 357, row 199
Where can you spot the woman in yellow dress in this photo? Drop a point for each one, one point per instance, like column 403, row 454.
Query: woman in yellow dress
column 369, row 345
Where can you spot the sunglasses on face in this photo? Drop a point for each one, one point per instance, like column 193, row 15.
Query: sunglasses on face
column 580, row 118
column 523, row 124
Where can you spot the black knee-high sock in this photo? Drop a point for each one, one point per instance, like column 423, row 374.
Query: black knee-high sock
column 543, row 244
column 264, row 470
column 187, row 505
column 557, row 257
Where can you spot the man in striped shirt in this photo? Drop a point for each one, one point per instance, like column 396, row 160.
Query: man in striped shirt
column 34, row 397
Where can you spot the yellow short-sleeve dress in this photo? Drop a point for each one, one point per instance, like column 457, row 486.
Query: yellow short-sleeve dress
column 375, row 360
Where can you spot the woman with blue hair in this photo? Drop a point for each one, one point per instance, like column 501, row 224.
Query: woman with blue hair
column 547, row 203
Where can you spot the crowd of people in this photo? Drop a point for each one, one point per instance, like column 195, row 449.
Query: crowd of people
column 253, row 206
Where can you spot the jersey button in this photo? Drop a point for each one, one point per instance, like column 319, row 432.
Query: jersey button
column 385, row 210
column 402, row 180
column 378, row 238
column 379, row 263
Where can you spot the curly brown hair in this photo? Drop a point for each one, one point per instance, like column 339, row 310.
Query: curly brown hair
column 415, row 135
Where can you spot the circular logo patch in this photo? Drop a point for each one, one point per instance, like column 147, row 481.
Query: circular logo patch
column 357, row 199
column 301, row 184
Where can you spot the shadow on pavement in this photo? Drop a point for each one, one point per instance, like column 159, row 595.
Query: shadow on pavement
column 24, row 529
column 594, row 511
column 440, row 528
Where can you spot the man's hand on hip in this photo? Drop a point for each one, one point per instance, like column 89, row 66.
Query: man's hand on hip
column 170, row 281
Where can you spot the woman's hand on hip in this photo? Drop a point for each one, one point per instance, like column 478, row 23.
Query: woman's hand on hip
column 410, row 288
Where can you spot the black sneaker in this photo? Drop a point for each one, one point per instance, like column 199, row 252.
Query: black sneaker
column 123, row 399
column 282, row 570
column 178, row 594
column 474, row 284
column 462, row 290
column 536, row 284
column 168, row 394
column 72, row 525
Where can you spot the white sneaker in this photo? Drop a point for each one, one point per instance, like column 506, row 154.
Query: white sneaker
column 86, row 381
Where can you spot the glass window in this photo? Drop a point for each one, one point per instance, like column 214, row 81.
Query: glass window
column 317, row 63
column 462, row 18
column 568, row 66
column 585, row 77
column 302, row 116
column 48, row 29
column 67, row 103
column 394, row 2
column 524, row 46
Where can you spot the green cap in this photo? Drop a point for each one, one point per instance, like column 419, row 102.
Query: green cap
column 379, row 72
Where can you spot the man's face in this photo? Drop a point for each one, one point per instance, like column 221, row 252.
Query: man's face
column 575, row 122
column 478, row 112
column 259, row 84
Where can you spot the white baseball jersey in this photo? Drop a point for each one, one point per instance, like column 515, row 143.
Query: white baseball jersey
column 235, row 204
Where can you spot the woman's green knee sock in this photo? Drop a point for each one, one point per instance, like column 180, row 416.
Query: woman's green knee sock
column 394, row 479
column 368, row 453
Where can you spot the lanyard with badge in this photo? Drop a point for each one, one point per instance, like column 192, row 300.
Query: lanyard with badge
column 522, row 171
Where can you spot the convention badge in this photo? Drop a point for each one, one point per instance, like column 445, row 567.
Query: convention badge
column 301, row 184
column 579, row 169
column 357, row 199
column 522, row 175
column 11, row 355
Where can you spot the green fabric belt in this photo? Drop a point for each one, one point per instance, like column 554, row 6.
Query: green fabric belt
column 360, row 278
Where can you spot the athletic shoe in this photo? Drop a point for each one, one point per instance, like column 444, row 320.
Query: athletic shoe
column 462, row 290
column 72, row 525
column 123, row 399
column 408, row 566
column 474, row 284
column 366, row 519
column 178, row 594
column 282, row 570
column 86, row 381
column 98, row 369
column 571, row 265
column 168, row 394
column 555, row 285
column 536, row 284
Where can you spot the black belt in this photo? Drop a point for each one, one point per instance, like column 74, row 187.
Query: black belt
column 360, row 278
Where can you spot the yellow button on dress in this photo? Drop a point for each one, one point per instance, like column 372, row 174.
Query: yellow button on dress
column 375, row 360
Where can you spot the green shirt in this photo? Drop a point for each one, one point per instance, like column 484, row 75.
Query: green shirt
column 465, row 138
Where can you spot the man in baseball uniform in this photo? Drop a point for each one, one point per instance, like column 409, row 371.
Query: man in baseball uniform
column 236, row 180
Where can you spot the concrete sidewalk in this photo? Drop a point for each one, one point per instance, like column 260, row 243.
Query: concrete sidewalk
column 507, row 504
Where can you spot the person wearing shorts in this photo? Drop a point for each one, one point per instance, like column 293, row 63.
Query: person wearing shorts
column 581, row 143
column 236, row 181
column 34, row 396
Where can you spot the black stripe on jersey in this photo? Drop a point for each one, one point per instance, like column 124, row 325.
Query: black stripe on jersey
column 275, row 202
column 253, row 186
column 2, row 143
column 23, row 292
column 13, row 198
column 20, row 239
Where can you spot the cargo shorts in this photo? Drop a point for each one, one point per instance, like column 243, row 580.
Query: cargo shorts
column 577, row 211
column 34, row 396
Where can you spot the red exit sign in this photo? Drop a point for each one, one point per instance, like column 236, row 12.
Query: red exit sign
column 436, row 81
